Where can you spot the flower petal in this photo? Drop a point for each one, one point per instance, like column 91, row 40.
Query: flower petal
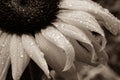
column 111, row 23
column 83, row 20
column 4, row 55
column 78, row 34
column 54, row 55
column 19, row 59
column 79, row 5
column 81, row 54
column 59, row 40
column 72, row 32
column 34, row 52
column 102, row 55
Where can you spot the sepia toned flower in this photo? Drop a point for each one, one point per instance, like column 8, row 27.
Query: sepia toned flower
column 56, row 33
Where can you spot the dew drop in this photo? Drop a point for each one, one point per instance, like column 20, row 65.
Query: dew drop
column 2, row 62
column 21, row 56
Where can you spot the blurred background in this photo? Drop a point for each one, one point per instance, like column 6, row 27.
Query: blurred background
column 113, row 48
column 112, row 5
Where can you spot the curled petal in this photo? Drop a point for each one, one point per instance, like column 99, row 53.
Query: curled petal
column 59, row 40
column 4, row 55
column 54, row 55
column 19, row 59
column 83, row 20
column 110, row 22
column 81, row 54
column 102, row 55
column 73, row 32
column 34, row 52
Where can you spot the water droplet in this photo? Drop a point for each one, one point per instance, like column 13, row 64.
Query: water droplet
column 2, row 62
column 21, row 56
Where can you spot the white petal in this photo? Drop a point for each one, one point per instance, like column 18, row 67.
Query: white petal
column 58, row 39
column 4, row 55
column 19, row 59
column 54, row 55
column 34, row 52
column 73, row 32
column 84, row 5
column 111, row 23
column 78, row 34
column 83, row 20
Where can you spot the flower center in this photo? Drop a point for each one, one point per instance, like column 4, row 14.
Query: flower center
column 27, row 16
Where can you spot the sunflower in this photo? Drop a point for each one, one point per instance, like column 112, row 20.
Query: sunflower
column 52, row 32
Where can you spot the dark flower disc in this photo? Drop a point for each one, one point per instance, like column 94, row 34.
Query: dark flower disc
column 27, row 16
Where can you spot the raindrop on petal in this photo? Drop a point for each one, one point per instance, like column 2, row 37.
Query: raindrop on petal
column 54, row 36
column 54, row 55
column 35, row 53
column 4, row 55
column 19, row 58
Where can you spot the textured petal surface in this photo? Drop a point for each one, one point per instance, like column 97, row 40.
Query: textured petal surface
column 77, row 34
column 111, row 23
column 4, row 55
column 19, row 59
column 79, row 4
column 73, row 32
column 54, row 55
column 35, row 53
column 83, row 20
column 58, row 39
